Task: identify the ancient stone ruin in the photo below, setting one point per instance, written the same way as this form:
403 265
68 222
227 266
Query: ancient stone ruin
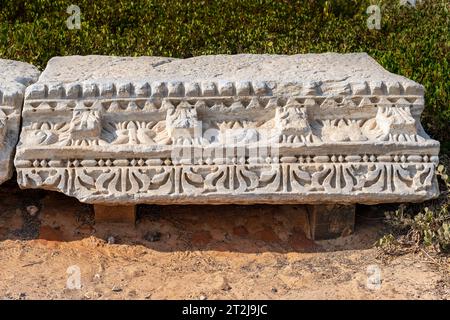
327 130
15 77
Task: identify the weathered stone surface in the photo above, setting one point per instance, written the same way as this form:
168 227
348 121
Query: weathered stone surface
15 77
315 128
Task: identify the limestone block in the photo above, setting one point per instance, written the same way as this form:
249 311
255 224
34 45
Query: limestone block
15 77
315 128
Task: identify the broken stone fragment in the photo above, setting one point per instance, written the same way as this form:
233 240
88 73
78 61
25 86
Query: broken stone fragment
15 77
314 128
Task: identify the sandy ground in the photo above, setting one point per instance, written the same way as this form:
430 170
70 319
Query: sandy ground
197 252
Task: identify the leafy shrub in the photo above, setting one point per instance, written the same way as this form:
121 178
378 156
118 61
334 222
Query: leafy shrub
412 41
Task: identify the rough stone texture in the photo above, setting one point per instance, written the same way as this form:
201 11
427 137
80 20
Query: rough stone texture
315 128
15 76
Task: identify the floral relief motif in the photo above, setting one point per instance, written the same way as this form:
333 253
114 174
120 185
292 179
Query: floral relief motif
150 181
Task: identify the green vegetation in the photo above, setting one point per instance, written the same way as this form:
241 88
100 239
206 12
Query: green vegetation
427 224
413 42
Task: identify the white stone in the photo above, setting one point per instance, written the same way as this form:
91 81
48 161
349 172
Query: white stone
314 128
15 76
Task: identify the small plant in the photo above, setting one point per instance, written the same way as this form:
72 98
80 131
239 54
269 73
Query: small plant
429 226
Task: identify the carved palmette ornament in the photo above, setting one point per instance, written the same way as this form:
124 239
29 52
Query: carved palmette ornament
199 131
312 180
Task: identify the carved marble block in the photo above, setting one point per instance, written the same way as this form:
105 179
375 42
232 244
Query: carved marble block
314 129
15 76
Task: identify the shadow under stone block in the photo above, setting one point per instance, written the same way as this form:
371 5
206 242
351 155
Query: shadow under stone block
117 214
330 221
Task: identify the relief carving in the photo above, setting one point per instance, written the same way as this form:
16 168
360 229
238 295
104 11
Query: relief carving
181 122
227 129
292 123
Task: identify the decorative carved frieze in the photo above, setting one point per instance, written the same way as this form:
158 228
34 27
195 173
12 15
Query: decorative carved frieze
226 129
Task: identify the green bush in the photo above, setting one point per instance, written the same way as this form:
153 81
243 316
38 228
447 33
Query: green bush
412 41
